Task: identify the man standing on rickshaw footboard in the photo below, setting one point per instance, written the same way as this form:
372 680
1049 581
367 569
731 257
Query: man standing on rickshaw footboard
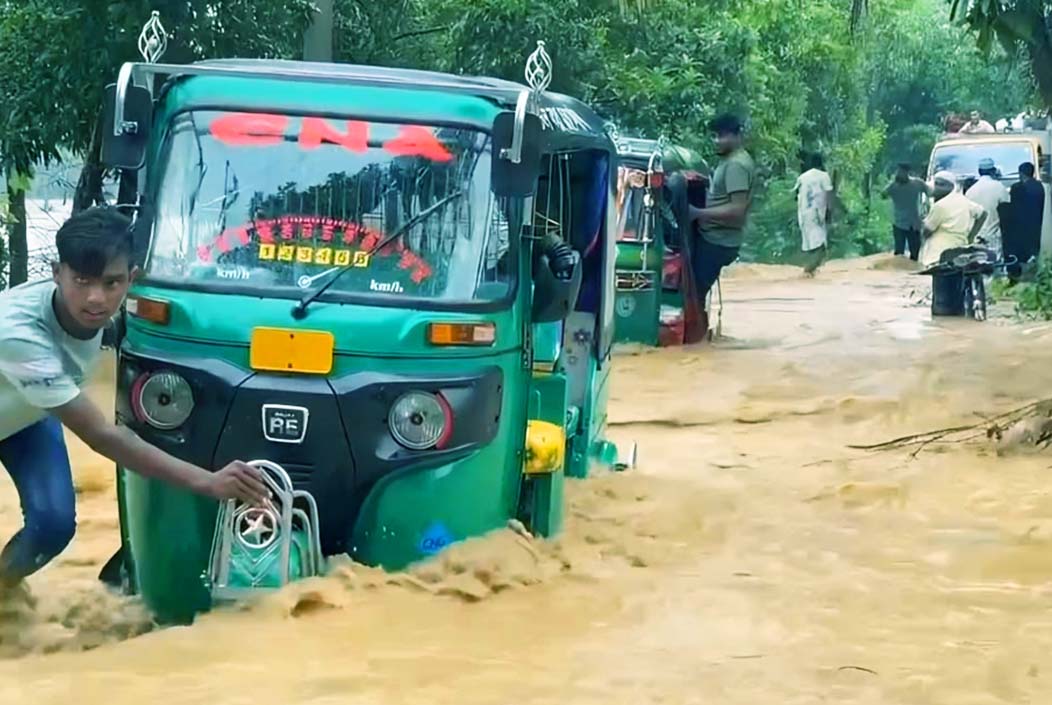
722 221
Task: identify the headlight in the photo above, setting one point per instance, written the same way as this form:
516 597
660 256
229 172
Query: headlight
419 421
164 400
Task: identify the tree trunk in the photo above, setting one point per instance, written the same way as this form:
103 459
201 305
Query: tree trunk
1040 52
89 186
17 242
317 40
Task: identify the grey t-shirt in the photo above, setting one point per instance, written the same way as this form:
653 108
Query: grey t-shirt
42 366
736 173
905 199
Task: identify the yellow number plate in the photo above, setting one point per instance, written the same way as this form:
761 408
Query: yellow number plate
283 350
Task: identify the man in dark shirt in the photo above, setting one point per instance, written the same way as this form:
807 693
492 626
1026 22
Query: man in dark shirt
1023 236
905 192
722 221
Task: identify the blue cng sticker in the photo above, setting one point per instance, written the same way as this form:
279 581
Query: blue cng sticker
435 538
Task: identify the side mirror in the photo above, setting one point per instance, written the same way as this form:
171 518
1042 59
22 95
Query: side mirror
127 150
553 298
509 178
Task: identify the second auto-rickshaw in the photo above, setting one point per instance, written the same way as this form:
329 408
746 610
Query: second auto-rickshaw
656 299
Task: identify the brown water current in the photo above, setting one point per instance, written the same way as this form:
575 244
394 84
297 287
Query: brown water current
752 558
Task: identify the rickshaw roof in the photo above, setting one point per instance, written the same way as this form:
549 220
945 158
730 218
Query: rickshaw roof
636 152
638 147
377 92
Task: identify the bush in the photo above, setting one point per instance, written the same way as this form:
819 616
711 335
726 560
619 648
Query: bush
773 235
1033 299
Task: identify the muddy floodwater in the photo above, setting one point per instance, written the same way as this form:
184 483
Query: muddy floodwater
753 558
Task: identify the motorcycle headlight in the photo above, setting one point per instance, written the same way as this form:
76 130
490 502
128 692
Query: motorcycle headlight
419 420
164 400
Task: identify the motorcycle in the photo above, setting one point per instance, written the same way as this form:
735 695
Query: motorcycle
958 284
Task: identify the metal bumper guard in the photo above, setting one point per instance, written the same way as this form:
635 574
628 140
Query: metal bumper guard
264 548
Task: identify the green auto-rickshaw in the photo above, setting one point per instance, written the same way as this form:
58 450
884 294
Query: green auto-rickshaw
350 280
656 302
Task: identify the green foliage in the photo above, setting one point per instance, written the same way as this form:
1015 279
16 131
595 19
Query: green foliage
911 144
1033 298
866 89
877 98
57 57
775 222
862 229
854 230
1023 26
923 67
793 68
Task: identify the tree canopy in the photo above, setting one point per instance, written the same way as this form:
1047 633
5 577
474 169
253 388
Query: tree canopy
865 88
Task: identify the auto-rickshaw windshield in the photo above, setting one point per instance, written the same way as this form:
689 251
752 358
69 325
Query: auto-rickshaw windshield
963 159
631 192
266 203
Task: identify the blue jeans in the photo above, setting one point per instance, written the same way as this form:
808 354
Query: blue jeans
37 461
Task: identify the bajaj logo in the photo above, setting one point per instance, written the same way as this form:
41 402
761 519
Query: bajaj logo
284 424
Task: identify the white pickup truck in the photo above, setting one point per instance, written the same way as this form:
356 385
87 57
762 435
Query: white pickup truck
961 153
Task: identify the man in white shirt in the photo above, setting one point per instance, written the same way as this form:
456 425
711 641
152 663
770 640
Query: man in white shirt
989 193
953 221
976 125
50 337
813 190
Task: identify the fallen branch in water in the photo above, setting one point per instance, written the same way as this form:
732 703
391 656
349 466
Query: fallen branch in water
913 439
992 427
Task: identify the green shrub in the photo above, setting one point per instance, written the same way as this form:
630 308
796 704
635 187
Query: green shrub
1033 298
773 235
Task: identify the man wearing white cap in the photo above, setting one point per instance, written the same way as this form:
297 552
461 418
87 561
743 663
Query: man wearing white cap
954 221
989 193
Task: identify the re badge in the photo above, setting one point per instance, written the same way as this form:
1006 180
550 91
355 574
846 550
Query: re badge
285 424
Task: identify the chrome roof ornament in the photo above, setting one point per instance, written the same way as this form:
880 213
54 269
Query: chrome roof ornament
538 77
153 40
539 69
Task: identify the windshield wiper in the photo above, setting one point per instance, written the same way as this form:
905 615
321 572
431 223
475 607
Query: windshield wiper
299 311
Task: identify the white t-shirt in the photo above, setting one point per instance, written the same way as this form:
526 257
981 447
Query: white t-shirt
812 201
42 367
989 193
950 220
980 127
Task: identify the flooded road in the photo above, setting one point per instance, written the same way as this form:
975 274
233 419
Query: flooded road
753 557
